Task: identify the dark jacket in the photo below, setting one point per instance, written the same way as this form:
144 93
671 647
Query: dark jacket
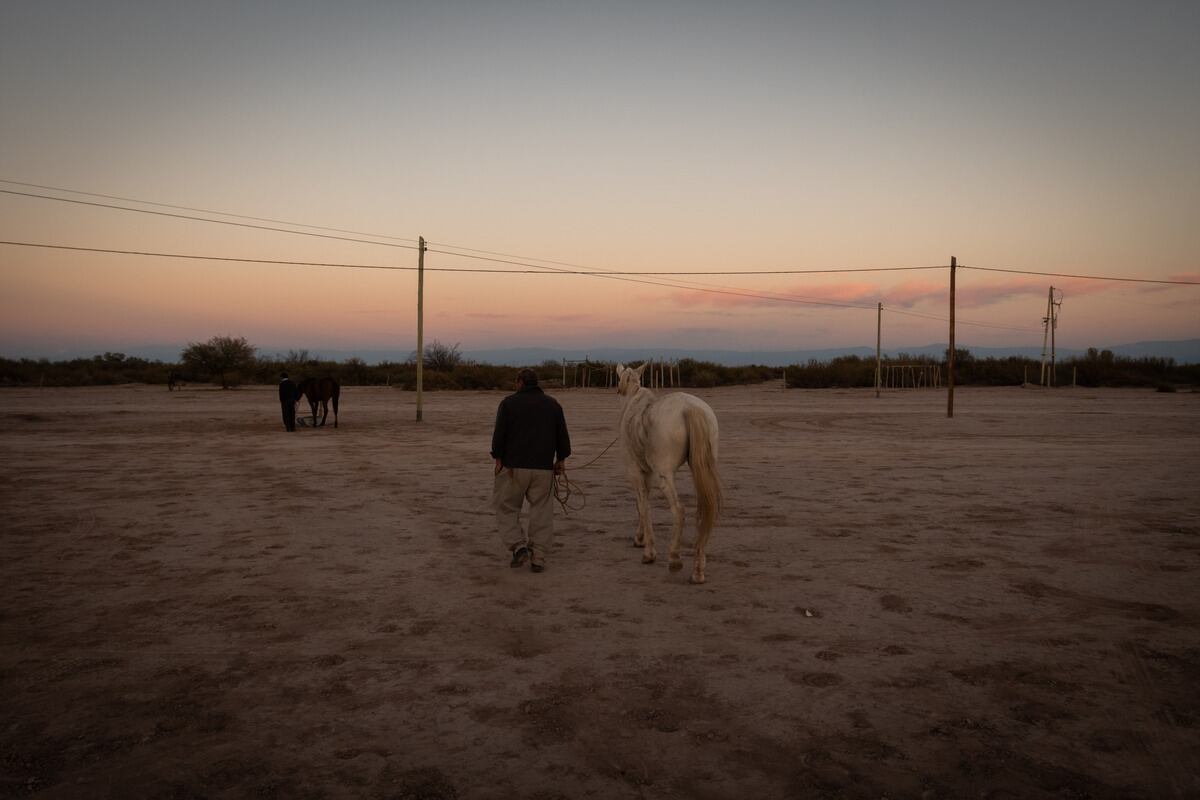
287 391
531 431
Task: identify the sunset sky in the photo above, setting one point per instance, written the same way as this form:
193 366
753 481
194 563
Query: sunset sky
630 136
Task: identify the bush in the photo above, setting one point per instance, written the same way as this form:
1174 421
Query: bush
1097 368
226 359
432 380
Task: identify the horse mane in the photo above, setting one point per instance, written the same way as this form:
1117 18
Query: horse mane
638 410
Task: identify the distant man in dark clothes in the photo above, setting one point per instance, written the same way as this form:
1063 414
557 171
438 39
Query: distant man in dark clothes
287 402
529 445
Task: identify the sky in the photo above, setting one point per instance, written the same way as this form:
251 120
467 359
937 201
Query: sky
546 138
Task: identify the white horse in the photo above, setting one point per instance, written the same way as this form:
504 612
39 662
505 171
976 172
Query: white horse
658 434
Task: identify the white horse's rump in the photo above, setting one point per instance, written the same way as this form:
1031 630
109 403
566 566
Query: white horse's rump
659 434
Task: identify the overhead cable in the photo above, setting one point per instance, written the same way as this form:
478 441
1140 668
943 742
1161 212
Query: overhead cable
205 219
203 210
629 277
960 321
505 258
1080 277
493 256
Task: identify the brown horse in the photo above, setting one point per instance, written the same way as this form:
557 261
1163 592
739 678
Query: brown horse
320 390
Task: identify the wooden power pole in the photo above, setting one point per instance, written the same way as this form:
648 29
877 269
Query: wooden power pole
878 339
420 324
950 354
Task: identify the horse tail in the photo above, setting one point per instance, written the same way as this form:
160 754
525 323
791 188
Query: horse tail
336 392
702 457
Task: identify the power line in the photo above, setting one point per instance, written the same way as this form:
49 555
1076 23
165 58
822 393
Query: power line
778 296
1080 277
203 210
628 277
959 321
228 258
497 257
688 285
474 253
599 273
631 277
668 273
204 219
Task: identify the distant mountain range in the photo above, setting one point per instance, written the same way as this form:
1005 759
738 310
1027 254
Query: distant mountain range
1186 351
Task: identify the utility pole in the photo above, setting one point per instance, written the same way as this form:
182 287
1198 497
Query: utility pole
420 324
1054 306
878 339
950 354
1049 326
1046 333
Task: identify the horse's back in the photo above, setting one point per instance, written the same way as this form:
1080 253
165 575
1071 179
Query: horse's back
673 406
319 389
669 427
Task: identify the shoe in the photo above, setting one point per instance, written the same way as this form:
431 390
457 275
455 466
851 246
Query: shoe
536 567
519 557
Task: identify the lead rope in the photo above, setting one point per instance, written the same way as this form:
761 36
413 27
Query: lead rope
564 487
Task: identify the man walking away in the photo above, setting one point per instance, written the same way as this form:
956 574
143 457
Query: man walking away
529 445
287 402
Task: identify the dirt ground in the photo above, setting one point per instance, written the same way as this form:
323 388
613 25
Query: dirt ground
1006 604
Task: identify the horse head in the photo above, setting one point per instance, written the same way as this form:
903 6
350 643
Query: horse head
629 379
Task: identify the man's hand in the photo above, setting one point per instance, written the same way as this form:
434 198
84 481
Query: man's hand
499 466
559 467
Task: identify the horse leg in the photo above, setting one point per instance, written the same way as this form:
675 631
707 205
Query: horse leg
324 411
698 565
634 476
335 404
703 531
645 535
666 483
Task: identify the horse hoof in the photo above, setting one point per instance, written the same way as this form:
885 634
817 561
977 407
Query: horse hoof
676 566
647 559
696 579
637 543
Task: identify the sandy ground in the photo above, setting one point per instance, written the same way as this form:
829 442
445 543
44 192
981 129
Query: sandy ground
198 604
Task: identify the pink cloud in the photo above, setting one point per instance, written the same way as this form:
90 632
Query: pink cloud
849 293
1174 295
970 293
910 293
970 296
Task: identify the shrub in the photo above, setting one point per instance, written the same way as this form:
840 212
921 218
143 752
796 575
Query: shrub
223 358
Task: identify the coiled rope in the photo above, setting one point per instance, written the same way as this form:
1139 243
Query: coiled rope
564 487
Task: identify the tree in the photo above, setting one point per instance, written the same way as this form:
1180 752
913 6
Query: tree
355 370
297 357
440 357
220 358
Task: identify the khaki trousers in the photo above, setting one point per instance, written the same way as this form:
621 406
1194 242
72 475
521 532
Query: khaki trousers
511 489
